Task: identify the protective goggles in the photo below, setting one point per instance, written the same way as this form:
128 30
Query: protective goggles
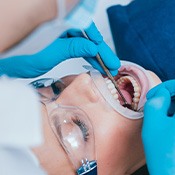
69 124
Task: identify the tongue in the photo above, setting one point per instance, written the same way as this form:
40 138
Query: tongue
126 95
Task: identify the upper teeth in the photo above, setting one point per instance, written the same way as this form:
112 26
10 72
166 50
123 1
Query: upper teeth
122 81
112 89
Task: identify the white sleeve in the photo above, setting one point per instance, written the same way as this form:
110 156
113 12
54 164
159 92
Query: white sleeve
20 119
20 128
15 161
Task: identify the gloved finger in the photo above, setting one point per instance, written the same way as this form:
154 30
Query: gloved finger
155 109
159 102
93 34
169 85
155 113
109 58
71 33
62 49
79 47
111 61
93 61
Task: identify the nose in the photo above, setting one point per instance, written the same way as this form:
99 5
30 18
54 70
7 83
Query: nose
80 91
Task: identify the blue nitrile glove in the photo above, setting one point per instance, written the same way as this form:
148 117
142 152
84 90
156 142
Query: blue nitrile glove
158 131
28 66
110 60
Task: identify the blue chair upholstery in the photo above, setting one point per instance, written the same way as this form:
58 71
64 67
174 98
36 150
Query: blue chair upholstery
144 33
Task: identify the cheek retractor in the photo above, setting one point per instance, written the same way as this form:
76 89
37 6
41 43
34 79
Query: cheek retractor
110 95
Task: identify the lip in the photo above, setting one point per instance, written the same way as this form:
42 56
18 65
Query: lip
139 74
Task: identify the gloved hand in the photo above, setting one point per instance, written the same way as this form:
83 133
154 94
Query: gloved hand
158 131
110 60
28 66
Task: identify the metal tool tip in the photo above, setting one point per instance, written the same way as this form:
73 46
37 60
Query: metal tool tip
127 106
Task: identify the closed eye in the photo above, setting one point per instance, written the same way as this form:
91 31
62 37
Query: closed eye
83 127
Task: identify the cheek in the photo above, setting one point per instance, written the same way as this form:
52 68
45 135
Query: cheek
50 154
109 152
117 144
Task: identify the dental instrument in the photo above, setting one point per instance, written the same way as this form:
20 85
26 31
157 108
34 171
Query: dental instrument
113 81
126 104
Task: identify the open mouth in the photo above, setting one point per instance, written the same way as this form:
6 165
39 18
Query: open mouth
133 83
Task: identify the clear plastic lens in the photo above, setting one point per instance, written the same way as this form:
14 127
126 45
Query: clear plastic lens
70 124
75 132
48 88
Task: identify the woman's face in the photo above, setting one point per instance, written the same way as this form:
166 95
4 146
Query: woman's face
117 139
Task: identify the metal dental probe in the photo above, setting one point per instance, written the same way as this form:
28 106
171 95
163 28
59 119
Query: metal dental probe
109 75
113 81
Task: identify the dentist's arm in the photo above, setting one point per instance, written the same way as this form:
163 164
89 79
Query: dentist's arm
20 17
66 47
29 66
158 132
